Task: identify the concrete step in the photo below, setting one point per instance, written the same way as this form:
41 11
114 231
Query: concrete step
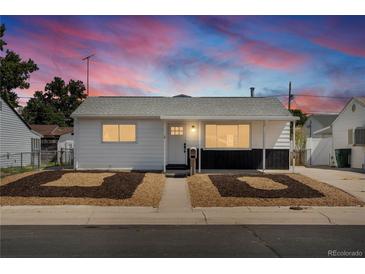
176 173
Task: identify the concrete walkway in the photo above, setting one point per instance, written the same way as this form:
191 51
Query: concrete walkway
175 197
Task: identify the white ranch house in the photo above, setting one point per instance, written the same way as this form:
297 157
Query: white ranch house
155 133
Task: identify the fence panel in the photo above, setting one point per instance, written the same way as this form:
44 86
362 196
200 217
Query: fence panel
21 159
38 159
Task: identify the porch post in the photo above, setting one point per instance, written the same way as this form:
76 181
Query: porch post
293 166
200 146
263 145
164 146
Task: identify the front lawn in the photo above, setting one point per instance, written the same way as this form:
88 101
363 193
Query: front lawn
14 170
102 188
222 190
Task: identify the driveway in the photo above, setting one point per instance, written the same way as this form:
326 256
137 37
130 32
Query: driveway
350 181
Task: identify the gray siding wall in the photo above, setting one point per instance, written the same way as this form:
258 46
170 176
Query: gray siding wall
15 137
145 154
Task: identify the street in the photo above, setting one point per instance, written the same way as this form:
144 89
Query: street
181 241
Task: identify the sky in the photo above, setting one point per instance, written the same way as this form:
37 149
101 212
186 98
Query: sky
199 55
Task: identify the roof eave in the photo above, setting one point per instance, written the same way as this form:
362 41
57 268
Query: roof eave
206 118
322 131
36 133
243 118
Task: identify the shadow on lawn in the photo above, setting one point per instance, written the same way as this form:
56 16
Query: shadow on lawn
121 185
230 186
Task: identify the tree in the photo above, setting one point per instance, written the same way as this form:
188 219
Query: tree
300 138
56 103
2 42
14 72
39 111
302 116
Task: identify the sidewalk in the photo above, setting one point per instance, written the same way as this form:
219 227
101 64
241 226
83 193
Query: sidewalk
96 215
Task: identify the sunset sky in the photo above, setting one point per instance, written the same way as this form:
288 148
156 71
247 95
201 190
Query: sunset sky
199 55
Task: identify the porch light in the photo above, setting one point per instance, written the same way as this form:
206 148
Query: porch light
193 129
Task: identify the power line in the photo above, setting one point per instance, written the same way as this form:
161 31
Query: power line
323 96
308 95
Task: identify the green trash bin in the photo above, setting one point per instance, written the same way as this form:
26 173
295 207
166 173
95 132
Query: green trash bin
343 157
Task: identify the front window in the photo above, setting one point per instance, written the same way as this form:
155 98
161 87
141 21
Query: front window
119 133
227 136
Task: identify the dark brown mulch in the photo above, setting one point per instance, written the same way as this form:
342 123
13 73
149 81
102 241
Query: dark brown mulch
121 185
230 186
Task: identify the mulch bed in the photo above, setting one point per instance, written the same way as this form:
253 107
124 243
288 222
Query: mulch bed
231 190
231 186
120 185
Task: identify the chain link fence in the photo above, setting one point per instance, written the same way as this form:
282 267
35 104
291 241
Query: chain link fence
37 159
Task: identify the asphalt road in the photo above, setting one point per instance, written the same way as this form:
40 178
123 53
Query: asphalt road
180 241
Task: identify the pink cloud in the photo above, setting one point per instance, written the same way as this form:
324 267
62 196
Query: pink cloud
146 38
108 74
310 104
264 55
70 28
349 47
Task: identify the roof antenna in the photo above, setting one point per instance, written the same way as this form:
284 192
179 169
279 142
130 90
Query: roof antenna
87 58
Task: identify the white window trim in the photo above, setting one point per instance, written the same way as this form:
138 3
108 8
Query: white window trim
226 123
118 123
350 143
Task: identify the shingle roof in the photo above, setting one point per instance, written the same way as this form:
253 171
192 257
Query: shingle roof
181 106
51 130
325 119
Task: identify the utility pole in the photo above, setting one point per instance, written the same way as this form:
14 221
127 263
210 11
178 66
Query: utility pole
290 96
87 58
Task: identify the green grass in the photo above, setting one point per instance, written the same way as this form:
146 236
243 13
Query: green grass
14 170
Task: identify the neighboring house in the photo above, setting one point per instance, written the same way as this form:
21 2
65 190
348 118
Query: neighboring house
65 147
348 135
16 137
51 134
155 133
318 147
66 141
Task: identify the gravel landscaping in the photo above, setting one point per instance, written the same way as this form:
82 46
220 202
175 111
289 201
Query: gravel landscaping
82 188
237 186
265 190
